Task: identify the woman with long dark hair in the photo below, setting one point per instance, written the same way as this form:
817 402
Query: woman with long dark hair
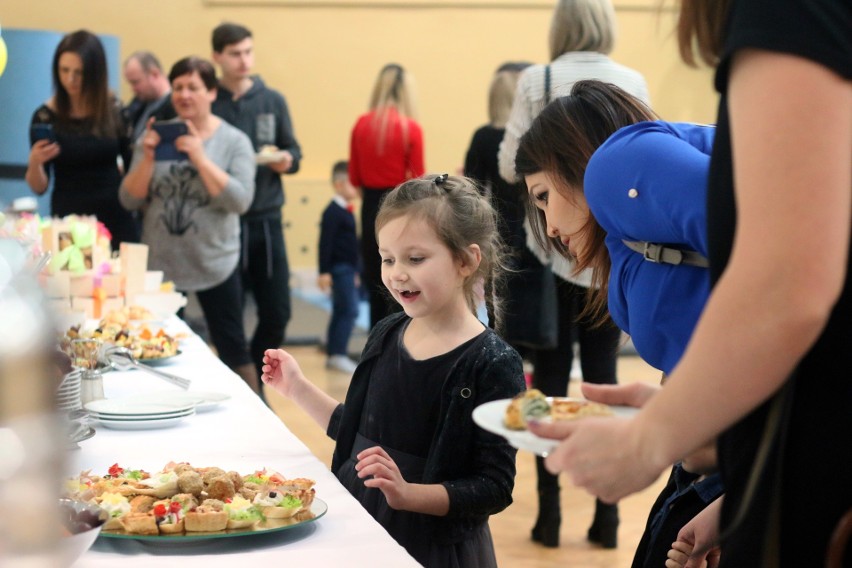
88 138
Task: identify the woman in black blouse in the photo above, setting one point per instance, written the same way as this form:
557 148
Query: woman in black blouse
87 139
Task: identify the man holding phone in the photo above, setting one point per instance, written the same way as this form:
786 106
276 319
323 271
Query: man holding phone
246 102
151 90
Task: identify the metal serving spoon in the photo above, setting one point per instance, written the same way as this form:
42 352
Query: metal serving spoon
121 359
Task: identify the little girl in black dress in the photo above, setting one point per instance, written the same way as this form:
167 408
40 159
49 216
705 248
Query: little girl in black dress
407 447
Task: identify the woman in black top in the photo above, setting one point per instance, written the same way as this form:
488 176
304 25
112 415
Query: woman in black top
88 138
769 365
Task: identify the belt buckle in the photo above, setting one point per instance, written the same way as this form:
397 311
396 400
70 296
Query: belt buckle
652 252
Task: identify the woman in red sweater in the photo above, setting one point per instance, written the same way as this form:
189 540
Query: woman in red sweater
386 149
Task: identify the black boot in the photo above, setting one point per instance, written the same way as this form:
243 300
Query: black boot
546 529
604 529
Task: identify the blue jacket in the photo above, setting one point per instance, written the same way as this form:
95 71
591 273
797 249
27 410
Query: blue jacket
477 468
666 164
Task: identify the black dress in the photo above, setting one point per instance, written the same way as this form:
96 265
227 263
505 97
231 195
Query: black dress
86 175
401 414
808 471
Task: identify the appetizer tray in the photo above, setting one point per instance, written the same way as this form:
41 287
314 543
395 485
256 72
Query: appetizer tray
318 509
153 362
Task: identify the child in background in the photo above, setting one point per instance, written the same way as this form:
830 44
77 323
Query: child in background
338 266
407 447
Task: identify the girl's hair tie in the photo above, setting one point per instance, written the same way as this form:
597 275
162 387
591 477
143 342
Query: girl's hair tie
439 180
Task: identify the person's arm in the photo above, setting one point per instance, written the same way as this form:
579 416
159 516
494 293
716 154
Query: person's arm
134 186
520 119
416 165
354 160
42 151
231 184
286 141
785 274
281 372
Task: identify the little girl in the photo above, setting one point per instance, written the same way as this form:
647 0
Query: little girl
407 447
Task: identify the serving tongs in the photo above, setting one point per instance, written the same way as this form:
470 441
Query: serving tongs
121 359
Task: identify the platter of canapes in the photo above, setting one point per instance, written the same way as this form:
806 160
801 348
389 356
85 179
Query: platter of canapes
182 502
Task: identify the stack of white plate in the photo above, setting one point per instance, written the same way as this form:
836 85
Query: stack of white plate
134 414
68 393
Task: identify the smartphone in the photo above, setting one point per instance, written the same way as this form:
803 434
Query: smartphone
169 132
42 131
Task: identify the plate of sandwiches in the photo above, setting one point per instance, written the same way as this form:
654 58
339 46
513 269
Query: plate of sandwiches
185 503
508 417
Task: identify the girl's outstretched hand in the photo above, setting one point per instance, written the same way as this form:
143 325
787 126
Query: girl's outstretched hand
280 371
602 455
381 472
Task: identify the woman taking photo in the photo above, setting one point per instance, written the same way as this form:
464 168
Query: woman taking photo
193 205
85 137
386 149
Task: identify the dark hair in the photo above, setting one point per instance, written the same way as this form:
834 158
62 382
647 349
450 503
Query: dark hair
699 30
94 91
193 64
460 216
227 34
340 168
147 60
560 142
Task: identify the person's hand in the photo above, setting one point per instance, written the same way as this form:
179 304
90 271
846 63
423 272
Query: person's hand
605 456
324 281
280 371
632 394
382 473
43 151
282 165
149 141
191 144
700 535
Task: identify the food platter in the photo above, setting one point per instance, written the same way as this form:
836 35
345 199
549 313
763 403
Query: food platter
318 509
158 360
490 415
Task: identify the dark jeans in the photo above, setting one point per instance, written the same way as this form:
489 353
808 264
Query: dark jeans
222 307
381 303
344 309
266 274
598 346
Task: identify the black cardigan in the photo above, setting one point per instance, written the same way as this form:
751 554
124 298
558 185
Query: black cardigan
477 468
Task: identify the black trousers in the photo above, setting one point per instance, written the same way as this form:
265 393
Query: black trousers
266 274
381 303
223 311
598 346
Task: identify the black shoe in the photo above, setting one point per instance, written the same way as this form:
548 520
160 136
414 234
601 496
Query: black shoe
604 529
546 530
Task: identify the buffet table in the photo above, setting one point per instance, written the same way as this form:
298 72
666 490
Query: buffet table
239 434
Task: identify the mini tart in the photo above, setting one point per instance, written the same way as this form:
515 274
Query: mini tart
172 528
140 523
274 512
205 520
243 524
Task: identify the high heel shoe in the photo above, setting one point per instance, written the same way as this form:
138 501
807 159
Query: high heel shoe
546 528
604 529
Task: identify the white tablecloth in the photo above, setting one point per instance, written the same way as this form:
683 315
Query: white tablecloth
240 434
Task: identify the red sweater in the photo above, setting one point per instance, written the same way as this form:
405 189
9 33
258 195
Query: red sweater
400 159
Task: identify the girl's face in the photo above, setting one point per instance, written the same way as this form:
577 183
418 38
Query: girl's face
566 217
420 271
190 96
70 68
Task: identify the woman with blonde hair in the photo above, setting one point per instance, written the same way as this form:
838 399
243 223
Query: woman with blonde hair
386 149
582 35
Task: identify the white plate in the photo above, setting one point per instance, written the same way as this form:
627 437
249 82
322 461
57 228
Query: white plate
203 400
135 406
140 424
489 416
146 417
269 157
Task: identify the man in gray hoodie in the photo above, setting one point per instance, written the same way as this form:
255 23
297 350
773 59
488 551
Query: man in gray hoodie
246 102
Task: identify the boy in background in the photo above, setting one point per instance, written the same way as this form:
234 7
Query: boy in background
338 268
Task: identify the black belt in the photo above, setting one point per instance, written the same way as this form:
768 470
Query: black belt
667 255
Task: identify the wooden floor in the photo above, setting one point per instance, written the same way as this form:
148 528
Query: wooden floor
511 528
